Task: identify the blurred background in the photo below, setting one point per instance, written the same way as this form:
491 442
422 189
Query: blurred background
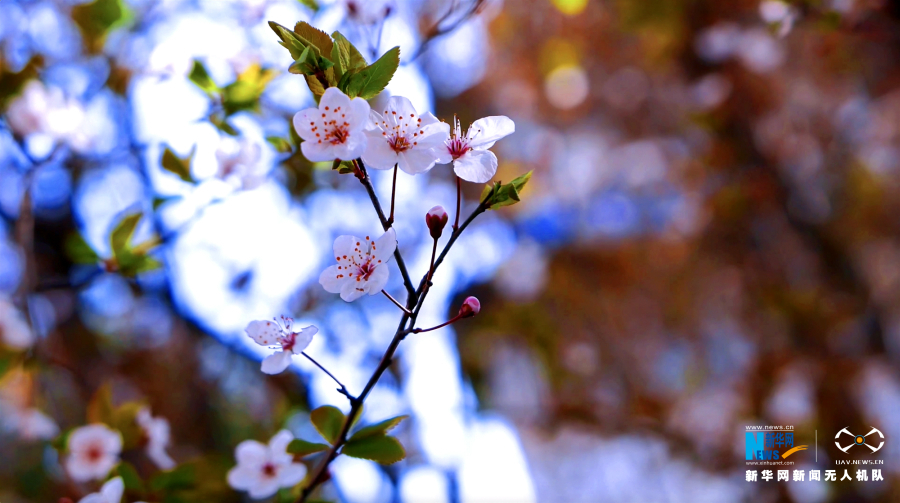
709 241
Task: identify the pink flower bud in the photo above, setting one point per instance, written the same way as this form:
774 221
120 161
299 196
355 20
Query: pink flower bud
436 218
469 308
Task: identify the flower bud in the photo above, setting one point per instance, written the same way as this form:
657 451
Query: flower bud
469 308
436 218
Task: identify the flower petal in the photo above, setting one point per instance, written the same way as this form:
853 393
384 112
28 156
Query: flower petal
251 453
378 154
304 337
265 333
477 166
358 114
265 488
243 477
484 132
383 247
276 363
335 98
377 280
352 290
330 281
304 121
417 160
291 475
279 442
317 152
113 490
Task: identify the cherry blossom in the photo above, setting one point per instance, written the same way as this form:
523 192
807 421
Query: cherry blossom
362 265
156 435
280 335
403 137
93 451
29 423
111 492
46 111
239 164
436 219
334 130
472 161
263 469
14 330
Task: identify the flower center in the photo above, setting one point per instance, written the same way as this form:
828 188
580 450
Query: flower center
399 143
94 453
288 341
269 470
457 146
338 133
365 271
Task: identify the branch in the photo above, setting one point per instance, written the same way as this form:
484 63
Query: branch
343 389
437 31
364 179
414 303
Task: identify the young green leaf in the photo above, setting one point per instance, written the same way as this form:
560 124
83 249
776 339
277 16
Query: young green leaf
345 56
315 37
499 195
381 448
177 165
96 19
328 421
120 237
289 39
201 78
100 408
281 145
79 251
371 80
311 4
378 428
161 200
130 477
182 477
244 93
300 447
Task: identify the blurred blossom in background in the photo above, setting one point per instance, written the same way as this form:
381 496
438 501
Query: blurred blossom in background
710 240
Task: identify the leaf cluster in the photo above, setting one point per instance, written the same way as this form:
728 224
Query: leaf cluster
370 442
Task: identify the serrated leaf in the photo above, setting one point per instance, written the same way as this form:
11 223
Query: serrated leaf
289 39
120 237
345 56
177 165
314 36
378 428
381 448
328 421
300 447
356 58
130 477
200 76
371 80
79 251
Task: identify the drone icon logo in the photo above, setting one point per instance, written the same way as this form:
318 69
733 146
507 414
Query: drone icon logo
859 440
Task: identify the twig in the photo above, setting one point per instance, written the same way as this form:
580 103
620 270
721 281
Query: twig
405 310
437 31
393 195
458 199
343 389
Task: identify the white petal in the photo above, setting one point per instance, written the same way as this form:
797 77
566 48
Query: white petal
358 115
484 132
334 98
160 457
279 442
318 152
477 166
113 490
330 281
345 245
353 147
243 478
352 290
304 337
378 154
264 488
384 246
428 118
276 363
304 121
417 160
434 135
265 333
401 106
250 453
291 475
377 280
93 498
442 152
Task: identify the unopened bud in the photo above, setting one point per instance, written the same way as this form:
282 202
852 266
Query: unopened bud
469 308
436 218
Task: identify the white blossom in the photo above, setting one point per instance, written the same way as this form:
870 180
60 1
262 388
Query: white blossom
263 469
29 423
403 137
472 161
93 451
45 110
157 435
111 492
368 12
280 335
362 265
15 333
239 164
334 130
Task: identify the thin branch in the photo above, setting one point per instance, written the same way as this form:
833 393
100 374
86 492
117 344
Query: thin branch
405 310
343 389
393 195
364 179
437 31
458 199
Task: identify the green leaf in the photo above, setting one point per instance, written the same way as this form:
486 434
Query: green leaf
132 264
381 448
130 477
328 421
378 428
161 200
181 477
79 251
314 36
222 125
345 56
201 78
281 145
302 448
311 4
6 362
100 408
499 195
243 93
371 80
97 18
177 165
120 237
